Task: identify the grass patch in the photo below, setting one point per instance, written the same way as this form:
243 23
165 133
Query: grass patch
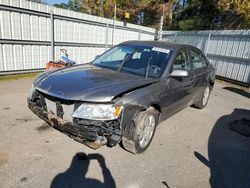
18 76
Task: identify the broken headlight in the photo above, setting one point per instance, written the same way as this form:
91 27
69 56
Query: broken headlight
98 111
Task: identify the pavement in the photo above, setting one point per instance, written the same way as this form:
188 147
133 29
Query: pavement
194 148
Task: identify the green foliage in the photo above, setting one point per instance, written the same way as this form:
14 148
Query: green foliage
105 8
75 5
190 24
235 14
213 14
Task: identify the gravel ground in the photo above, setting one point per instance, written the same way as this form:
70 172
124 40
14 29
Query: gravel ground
194 148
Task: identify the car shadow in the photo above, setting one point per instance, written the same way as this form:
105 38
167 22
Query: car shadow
75 175
238 91
228 152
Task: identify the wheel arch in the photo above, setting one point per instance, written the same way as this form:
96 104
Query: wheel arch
211 83
157 107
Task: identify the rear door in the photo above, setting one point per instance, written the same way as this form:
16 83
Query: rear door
199 68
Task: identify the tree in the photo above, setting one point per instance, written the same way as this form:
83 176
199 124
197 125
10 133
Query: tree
196 15
108 8
213 14
151 9
90 7
234 14
75 5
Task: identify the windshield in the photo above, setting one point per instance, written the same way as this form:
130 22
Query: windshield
137 60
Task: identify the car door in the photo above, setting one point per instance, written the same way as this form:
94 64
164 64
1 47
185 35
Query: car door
179 90
199 68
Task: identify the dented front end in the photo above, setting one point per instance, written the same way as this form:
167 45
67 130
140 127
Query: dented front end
58 113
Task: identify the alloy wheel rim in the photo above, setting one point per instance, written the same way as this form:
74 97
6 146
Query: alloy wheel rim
147 132
206 96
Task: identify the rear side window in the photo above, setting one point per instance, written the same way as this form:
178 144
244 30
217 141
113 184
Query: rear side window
197 60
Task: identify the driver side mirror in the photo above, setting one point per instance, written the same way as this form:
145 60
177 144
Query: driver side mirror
179 73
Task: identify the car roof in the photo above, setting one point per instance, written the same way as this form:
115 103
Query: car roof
160 44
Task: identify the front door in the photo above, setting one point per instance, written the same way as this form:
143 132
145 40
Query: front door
179 90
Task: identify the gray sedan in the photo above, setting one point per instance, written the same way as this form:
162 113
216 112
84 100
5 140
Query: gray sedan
123 94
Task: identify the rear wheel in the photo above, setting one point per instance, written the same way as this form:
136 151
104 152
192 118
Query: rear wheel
136 138
202 102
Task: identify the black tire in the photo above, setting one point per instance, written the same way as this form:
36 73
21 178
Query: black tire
131 139
202 102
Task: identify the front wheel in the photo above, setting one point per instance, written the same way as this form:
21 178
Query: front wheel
136 138
202 102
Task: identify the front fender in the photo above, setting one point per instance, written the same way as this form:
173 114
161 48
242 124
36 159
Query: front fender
137 101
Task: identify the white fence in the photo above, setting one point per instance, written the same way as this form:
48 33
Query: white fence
227 50
31 34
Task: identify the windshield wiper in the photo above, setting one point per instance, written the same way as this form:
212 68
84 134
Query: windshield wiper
126 59
148 65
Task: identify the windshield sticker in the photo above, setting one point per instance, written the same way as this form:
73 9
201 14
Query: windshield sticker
163 50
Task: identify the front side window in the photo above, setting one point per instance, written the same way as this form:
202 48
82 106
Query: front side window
181 61
197 60
138 60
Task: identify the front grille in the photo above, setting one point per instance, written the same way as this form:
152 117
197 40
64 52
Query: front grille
104 128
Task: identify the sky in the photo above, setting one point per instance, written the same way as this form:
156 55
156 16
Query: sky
51 2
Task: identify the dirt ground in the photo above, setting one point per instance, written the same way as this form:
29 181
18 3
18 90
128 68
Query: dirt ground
194 148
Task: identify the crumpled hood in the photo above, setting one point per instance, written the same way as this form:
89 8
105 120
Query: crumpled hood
88 83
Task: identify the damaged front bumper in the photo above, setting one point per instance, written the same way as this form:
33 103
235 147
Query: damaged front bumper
93 133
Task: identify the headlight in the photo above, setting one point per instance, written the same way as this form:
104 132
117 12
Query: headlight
98 111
